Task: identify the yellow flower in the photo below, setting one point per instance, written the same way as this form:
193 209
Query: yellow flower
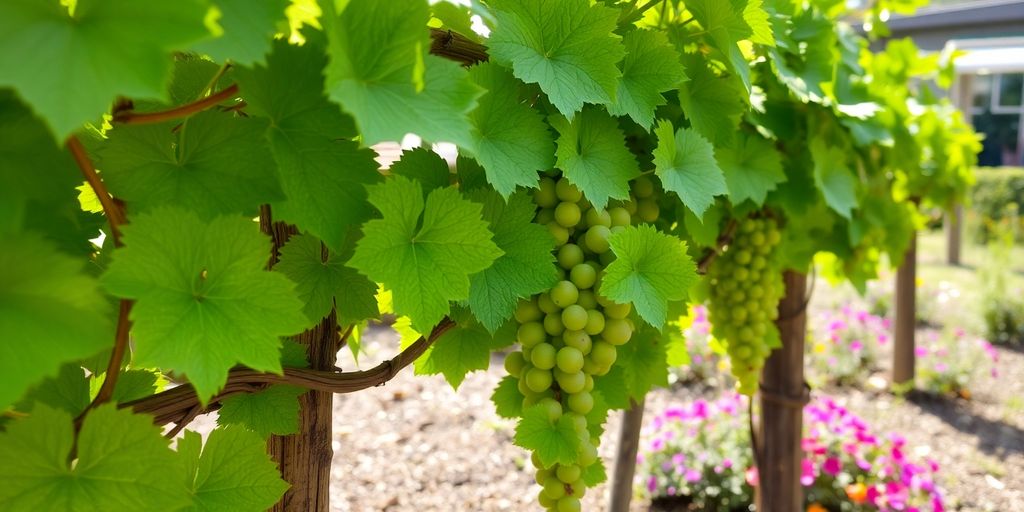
819 348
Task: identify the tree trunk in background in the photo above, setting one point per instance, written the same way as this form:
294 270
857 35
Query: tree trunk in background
625 457
954 230
783 395
903 330
305 458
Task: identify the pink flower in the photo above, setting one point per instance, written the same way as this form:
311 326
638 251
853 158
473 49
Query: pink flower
807 473
832 466
692 475
856 345
652 483
751 476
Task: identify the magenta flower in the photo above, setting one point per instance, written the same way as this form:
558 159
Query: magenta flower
692 475
832 466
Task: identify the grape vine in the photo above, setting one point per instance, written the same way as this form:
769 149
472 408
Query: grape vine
601 148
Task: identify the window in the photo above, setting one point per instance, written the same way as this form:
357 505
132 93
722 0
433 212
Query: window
997 110
1010 89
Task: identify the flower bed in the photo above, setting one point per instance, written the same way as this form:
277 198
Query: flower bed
700 454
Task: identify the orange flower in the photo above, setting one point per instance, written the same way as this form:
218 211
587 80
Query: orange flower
816 507
857 493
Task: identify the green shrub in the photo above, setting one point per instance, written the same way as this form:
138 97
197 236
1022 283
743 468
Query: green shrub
996 189
1002 308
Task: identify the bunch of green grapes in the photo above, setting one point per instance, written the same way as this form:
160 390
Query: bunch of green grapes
745 291
569 334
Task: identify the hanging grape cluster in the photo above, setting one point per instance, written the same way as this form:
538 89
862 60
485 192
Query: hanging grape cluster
569 334
745 291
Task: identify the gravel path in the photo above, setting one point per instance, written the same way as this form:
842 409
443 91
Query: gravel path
417 445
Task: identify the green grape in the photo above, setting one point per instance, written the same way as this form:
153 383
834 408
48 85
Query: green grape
587 299
595 322
598 217
568 473
564 294
646 209
545 195
574 317
617 331
588 454
569 359
554 488
744 296
603 353
581 402
571 382
578 340
545 501
545 216
559 233
567 191
588 384
583 275
606 258
530 334
567 214
579 421
514 363
620 217
568 504
630 206
545 305
569 256
619 311
543 356
597 239
553 324
643 187
527 311
541 469
538 380
552 407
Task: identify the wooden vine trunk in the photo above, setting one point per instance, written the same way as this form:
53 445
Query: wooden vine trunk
305 458
954 231
625 457
783 395
906 318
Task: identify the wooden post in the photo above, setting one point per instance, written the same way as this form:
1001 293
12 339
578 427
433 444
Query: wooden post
783 395
905 321
625 457
305 458
954 230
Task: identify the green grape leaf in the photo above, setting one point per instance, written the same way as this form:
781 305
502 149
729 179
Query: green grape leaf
612 386
459 351
471 175
568 47
752 169
713 104
68 391
190 78
324 284
123 463
71 68
245 30
234 473
594 474
130 385
650 269
650 68
510 139
526 268
203 299
26 147
50 313
757 18
835 180
274 410
424 166
508 401
379 73
644 362
598 415
423 251
293 354
552 441
686 164
592 155
323 176
216 163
